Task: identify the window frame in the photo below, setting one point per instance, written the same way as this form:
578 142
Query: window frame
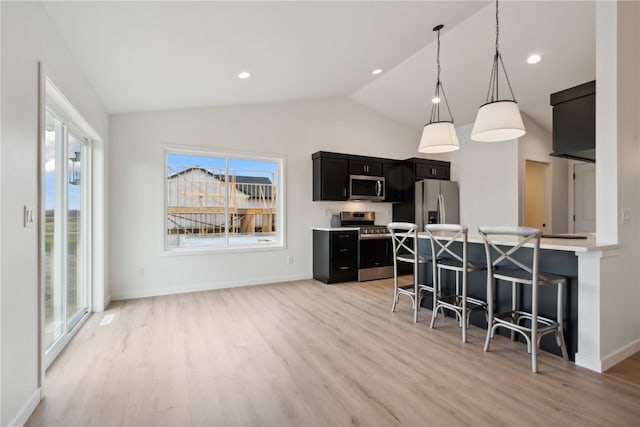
280 192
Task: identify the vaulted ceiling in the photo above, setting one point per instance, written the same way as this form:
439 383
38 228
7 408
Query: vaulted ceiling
143 56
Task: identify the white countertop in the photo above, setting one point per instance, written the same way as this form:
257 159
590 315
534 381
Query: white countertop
558 244
336 228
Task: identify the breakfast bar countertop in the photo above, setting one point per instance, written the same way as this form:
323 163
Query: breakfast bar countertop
568 244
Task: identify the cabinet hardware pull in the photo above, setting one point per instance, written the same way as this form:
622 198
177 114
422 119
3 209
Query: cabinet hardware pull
344 268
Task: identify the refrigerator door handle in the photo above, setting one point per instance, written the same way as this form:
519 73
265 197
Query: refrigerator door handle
443 220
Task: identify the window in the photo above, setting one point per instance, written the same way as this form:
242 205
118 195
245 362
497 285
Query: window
223 201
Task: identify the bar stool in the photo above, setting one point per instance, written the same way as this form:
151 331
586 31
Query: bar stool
404 236
503 266
445 258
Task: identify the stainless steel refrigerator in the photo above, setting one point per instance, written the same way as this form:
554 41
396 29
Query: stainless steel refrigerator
436 202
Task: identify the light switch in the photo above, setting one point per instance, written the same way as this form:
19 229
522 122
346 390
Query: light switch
28 216
625 216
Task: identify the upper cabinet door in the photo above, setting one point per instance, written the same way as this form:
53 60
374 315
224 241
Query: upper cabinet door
431 171
330 178
365 167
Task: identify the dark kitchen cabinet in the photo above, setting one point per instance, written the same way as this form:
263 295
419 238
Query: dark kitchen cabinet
417 169
396 180
335 256
330 176
363 166
431 169
574 122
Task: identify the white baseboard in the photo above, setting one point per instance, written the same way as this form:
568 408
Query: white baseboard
208 286
612 359
609 361
27 409
107 301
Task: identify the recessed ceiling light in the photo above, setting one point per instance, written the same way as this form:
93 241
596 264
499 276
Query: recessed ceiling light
244 75
534 58
376 71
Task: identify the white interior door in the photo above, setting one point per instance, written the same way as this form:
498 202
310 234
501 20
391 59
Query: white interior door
584 198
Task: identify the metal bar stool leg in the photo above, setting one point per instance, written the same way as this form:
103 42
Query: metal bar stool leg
560 320
514 298
395 288
436 295
489 311
534 328
463 317
416 293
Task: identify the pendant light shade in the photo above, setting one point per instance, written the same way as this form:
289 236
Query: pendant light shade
439 136
498 119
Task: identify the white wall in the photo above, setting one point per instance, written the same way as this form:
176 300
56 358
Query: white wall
618 167
293 129
613 290
28 36
487 174
0 215
536 145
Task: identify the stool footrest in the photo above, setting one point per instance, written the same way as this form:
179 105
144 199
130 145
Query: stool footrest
454 302
506 319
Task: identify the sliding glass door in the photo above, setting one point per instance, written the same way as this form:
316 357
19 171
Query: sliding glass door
65 246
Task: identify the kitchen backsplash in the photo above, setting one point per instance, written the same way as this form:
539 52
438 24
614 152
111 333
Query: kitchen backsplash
383 211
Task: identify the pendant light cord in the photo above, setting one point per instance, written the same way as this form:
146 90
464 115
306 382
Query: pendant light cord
438 60
439 92
493 91
497 29
436 117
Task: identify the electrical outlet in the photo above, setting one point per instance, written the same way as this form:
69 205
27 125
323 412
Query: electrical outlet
289 259
141 272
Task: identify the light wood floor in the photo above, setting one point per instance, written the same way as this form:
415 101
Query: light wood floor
305 354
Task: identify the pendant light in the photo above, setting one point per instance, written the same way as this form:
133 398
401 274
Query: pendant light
439 136
498 119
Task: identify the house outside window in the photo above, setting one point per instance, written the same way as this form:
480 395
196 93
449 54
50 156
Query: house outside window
220 202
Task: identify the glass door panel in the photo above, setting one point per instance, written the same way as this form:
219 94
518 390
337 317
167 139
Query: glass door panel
65 278
53 307
76 298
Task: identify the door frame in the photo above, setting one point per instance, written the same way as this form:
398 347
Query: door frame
93 244
548 201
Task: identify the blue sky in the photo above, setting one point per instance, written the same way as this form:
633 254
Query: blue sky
242 166
53 140
50 186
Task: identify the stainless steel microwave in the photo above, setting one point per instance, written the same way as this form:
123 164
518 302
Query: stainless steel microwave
363 187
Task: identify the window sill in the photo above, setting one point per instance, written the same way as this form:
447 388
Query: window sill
208 250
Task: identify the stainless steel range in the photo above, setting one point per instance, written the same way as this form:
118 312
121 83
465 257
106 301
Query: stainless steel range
375 250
